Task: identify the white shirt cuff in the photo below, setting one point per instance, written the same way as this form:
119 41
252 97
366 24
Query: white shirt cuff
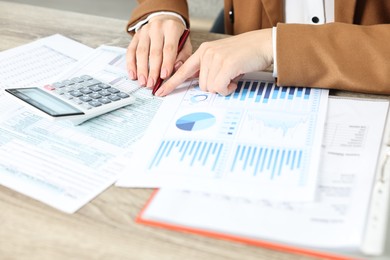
275 73
138 25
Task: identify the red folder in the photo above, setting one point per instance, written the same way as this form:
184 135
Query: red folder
245 240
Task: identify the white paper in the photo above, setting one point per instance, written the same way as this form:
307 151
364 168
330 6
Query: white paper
39 62
337 220
62 165
260 142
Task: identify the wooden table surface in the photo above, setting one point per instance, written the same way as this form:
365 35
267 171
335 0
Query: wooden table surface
105 227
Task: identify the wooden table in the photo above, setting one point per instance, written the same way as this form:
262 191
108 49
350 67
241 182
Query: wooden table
105 227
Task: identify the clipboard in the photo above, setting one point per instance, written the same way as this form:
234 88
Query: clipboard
377 233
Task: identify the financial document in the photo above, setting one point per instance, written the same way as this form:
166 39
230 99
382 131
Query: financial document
38 62
337 220
262 141
62 165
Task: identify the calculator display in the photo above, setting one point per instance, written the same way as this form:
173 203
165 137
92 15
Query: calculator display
45 102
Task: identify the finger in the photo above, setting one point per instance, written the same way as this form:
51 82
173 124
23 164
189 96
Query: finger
206 58
131 59
183 55
230 89
222 77
155 59
203 74
142 58
232 86
169 55
217 77
188 69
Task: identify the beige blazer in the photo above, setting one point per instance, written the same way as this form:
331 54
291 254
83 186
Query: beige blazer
351 54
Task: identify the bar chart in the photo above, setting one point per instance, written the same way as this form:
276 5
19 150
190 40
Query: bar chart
268 94
208 157
261 137
188 154
272 162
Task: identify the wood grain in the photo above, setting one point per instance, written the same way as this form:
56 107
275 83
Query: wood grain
105 227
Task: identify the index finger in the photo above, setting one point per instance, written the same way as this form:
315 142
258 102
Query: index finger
188 69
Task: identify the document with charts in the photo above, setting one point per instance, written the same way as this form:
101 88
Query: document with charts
55 162
348 218
262 141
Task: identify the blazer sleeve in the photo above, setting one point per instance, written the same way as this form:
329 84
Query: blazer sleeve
336 56
146 7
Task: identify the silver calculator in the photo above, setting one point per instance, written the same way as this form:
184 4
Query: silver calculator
77 99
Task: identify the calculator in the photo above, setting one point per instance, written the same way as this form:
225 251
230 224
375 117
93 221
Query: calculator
77 99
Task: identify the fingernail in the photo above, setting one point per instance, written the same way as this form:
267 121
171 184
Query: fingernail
142 80
150 83
178 65
131 74
164 73
159 92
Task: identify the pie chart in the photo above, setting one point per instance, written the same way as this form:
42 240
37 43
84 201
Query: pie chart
195 121
199 98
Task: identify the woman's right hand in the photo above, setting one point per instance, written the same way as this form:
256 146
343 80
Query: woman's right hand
152 53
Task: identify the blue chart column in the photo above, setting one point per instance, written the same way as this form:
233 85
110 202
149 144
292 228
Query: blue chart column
187 154
263 161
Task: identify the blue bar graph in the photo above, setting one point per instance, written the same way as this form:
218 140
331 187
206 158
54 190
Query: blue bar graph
271 161
188 153
260 92
275 95
265 92
307 93
236 94
284 91
299 92
253 89
245 91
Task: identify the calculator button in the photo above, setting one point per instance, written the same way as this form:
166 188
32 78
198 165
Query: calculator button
114 98
113 90
49 87
76 93
58 85
95 95
85 90
95 88
77 86
123 95
104 86
85 98
104 92
86 77
67 82
77 101
77 80
68 96
59 91
69 88
104 100
86 106
95 103
90 83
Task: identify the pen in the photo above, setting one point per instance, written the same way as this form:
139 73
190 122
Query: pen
182 40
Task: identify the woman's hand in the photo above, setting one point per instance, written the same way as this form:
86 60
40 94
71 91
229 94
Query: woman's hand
152 53
220 63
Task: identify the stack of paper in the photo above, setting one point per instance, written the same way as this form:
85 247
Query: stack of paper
270 166
57 163
345 218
